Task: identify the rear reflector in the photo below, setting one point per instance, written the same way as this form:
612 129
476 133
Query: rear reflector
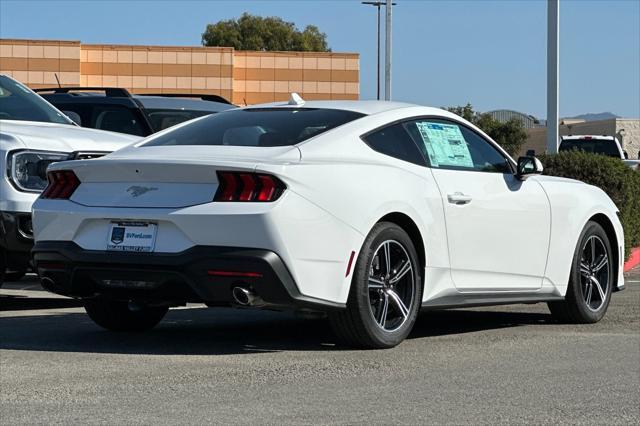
353 253
248 187
62 184
219 273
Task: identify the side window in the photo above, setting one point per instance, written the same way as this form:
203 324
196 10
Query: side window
448 145
394 141
116 118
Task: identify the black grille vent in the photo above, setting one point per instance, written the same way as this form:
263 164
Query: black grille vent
87 155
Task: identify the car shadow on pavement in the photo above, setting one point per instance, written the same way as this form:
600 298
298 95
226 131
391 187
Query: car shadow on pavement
25 303
221 331
459 321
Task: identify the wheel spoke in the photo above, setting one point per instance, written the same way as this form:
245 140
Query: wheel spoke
593 249
387 257
404 311
602 262
384 310
584 269
595 281
401 273
587 297
375 283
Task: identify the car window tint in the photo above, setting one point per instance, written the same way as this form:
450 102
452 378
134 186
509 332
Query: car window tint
597 146
265 127
117 119
114 118
161 119
394 141
448 145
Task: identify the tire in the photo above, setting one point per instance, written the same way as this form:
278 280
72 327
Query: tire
587 300
117 316
3 266
14 275
361 324
8 276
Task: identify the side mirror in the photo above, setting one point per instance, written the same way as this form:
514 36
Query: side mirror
73 116
528 166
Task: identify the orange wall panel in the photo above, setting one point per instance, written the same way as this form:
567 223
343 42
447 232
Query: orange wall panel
240 76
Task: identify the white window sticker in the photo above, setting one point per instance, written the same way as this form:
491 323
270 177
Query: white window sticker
445 145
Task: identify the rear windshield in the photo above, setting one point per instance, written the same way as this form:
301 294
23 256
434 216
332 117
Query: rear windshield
257 127
597 146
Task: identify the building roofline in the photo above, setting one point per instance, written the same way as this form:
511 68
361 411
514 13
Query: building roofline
36 41
174 47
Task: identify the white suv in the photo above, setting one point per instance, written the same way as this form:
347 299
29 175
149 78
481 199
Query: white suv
34 134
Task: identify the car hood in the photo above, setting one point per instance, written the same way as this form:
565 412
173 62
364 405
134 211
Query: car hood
62 137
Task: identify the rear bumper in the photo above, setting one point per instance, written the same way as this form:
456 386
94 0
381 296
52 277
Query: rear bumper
199 274
16 239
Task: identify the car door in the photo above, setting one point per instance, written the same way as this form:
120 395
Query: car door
498 227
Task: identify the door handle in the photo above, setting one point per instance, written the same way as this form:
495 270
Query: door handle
459 198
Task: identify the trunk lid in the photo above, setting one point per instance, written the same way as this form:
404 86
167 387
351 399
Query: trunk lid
165 177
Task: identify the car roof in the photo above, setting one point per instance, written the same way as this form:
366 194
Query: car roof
177 103
113 95
363 107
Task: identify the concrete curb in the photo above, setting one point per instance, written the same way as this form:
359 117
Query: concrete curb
633 261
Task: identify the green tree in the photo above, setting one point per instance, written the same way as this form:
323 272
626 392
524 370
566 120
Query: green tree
250 32
510 135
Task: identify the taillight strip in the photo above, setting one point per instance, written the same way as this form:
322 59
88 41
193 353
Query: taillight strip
62 184
248 187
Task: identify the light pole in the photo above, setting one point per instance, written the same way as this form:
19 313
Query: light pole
553 74
387 53
377 4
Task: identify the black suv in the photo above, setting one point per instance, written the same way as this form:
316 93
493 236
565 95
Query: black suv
117 110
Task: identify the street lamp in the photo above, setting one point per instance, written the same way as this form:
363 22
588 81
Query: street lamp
378 4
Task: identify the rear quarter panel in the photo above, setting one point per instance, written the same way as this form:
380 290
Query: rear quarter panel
345 177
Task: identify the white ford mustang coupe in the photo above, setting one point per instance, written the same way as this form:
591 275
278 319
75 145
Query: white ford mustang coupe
366 211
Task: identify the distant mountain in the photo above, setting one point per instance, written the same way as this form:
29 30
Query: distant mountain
594 116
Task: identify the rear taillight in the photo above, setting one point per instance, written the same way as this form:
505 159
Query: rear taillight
62 184
252 187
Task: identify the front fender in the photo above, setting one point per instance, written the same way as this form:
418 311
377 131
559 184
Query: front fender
573 204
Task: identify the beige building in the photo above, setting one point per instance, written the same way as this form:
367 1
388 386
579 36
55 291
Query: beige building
242 77
627 130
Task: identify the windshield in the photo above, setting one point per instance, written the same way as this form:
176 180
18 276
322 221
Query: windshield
19 103
263 127
597 146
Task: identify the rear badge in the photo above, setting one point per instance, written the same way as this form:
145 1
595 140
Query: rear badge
137 191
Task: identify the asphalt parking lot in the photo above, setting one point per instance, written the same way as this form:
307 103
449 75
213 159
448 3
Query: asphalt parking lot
502 365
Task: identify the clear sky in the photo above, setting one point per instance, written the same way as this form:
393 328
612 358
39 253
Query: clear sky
446 52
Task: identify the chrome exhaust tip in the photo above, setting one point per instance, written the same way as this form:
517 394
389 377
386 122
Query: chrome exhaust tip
242 296
245 297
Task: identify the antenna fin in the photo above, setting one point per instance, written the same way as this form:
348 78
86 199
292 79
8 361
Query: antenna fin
295 99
